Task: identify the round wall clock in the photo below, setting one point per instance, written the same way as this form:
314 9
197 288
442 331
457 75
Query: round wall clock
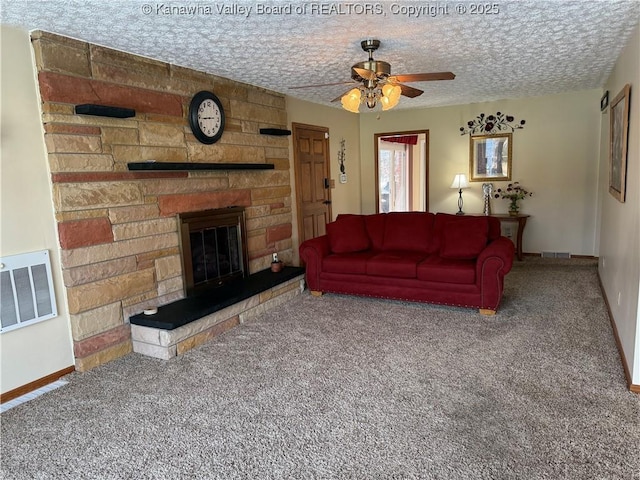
206 117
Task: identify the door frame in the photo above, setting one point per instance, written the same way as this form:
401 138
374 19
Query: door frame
376 138
296 169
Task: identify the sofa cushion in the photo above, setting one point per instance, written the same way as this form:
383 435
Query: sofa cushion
348 234
394 264
355 262
464 238
408 231
438 269
495 228
375 229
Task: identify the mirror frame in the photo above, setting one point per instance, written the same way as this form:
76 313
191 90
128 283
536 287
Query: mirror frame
474 143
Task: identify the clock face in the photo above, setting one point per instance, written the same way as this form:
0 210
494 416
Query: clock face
209 118
206 117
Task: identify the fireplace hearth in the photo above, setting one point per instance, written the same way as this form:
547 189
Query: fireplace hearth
220 292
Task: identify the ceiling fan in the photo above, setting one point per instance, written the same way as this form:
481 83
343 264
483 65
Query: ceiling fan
376 84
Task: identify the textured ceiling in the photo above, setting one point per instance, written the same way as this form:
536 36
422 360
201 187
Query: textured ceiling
513 49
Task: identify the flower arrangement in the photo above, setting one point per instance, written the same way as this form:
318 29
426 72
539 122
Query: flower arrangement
488 123
513 193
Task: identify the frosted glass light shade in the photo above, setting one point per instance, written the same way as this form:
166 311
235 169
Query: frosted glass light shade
392 92
390 96
460 181
351 100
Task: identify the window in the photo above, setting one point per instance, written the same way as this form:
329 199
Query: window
394 179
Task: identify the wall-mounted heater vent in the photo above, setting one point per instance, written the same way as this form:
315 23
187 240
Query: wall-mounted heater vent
26 290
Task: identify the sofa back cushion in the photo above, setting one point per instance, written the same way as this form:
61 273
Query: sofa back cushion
348 234
495 229
463 237
375 229
408 231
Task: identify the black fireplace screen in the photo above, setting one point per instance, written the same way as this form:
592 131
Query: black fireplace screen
215 253
213 247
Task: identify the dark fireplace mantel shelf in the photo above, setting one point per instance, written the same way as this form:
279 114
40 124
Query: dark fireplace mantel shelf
187 166
190 309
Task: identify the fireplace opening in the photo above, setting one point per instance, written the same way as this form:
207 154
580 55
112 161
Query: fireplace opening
213 245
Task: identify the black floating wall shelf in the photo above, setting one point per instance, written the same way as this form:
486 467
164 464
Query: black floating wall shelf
274 131
104 111
183 166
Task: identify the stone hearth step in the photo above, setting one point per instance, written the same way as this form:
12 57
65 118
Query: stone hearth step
186 323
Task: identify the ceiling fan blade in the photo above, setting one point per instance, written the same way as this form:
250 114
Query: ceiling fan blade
364 73
422 77
410 92
322 85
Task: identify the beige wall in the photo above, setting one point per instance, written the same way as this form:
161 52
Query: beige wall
555 156
26 213
619 266
341 124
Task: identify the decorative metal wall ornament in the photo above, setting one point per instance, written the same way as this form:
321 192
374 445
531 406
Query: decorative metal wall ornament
341 154
499 122
341 159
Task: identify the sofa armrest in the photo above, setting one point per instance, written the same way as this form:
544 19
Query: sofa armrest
493 263
312 252
502 248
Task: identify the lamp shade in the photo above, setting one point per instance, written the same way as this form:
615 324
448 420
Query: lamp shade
390 96
460 181
351 100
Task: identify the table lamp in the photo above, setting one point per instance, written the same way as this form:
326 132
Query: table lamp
460 182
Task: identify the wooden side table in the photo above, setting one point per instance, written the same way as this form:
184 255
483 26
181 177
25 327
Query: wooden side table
521 220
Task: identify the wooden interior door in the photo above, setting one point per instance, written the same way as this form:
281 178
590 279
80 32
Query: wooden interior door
313 192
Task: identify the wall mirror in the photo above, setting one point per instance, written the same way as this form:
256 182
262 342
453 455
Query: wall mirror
490 157
402 171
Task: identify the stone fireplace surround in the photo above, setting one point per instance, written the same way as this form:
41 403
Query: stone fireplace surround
118 229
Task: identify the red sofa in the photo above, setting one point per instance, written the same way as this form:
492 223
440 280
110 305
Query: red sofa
416 256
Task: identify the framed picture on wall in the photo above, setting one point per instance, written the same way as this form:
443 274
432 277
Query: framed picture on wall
618 134
490 157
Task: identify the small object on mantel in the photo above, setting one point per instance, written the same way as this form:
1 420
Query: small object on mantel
276 264
150 311
104 111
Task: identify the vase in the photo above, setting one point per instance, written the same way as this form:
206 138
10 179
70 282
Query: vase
276 266
513 208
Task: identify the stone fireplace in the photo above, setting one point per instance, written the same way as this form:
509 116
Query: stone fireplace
118 229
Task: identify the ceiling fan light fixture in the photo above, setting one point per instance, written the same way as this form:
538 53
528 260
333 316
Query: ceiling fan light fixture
377 85
386 103
351 100
372 98
390 96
